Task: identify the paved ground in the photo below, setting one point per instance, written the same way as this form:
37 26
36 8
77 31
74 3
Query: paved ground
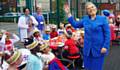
12 27
112 61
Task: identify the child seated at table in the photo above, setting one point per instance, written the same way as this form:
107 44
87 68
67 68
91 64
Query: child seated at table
37 36
72 51
49 59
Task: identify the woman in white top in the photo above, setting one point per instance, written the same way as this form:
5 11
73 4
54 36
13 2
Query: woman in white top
26 24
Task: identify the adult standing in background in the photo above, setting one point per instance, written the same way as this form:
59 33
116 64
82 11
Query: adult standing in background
40 19
96 37
26 24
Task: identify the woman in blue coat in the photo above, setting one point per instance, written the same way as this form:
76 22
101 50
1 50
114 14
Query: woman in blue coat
96 37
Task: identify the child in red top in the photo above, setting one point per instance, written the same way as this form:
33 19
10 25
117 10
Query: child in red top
70 47
53 33
8 41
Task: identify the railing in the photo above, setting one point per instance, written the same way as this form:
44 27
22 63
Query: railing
9 19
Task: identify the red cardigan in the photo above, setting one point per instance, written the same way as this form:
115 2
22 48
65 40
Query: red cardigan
71 47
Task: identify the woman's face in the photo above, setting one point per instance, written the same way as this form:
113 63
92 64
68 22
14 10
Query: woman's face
27 12
39 9
91 10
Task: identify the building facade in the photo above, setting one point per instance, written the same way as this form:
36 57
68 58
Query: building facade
51 6
7 6
78 6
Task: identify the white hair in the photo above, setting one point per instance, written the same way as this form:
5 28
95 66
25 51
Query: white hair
89 3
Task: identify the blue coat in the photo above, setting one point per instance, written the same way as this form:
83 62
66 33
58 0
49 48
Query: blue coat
97 34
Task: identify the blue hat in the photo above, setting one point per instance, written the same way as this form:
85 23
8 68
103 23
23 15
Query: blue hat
106 12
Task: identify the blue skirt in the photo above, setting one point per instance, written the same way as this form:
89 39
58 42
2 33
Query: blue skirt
93 63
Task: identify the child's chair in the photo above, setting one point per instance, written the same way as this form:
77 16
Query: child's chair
70 60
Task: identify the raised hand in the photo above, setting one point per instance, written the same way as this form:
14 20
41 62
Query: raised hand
66 8
30 23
